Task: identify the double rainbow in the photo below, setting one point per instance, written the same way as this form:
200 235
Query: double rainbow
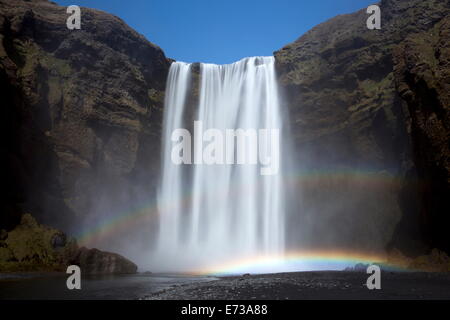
291 261
127 220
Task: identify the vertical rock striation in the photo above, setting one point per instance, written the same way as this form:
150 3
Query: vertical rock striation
422 74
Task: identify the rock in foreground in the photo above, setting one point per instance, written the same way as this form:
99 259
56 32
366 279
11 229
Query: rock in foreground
35 247
94 261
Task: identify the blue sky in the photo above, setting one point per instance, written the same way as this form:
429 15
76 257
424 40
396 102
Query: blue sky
222 31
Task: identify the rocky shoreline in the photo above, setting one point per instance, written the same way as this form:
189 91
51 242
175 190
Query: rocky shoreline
312 285
282 286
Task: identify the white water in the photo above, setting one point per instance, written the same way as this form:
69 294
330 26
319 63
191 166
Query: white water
216 214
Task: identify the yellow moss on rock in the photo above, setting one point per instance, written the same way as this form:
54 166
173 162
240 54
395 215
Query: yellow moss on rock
34 247
31 241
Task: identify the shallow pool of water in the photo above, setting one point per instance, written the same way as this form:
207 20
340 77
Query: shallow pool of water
53 286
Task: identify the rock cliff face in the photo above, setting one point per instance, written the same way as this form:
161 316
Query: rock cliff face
374 105
82 113
422 69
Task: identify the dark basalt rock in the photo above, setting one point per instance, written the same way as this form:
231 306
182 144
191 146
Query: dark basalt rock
58 240
94 261
3 235
372 105
422 75
82 113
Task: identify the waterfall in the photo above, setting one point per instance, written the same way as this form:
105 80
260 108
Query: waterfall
216 213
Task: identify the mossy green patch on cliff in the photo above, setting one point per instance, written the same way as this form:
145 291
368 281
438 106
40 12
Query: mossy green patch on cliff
156 97
33 56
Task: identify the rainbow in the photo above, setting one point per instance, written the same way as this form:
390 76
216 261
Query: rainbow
126 221
296 261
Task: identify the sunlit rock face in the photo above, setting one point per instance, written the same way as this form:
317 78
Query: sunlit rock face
359 144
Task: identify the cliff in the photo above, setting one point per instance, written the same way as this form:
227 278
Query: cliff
373 105
82 115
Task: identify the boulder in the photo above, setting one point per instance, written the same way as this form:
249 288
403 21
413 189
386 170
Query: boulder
94 262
